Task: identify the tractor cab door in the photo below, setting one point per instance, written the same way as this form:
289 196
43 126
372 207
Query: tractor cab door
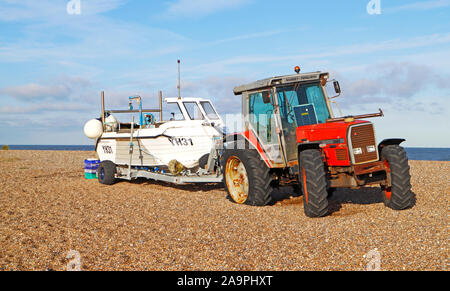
287 100
262 121
299 105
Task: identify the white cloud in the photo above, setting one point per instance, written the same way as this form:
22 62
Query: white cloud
92 7
395 86
36 91
263 34
86 39
431 40
198 8
217 88
44 107
51 10
62 88
249 36
423 5
402 80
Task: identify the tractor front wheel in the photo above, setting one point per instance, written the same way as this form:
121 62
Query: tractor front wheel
246 177
314 183
399 195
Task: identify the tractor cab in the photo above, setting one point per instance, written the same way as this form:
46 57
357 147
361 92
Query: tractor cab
275 107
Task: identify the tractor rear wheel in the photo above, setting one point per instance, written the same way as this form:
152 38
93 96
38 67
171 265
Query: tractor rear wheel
314 183
399 196
246 177
107 173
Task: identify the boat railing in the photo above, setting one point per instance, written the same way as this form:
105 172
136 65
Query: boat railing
140 110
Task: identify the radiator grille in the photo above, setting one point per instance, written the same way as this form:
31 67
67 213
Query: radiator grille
341 155
362 137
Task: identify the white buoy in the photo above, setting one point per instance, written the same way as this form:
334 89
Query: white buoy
111 123
93 129
112 120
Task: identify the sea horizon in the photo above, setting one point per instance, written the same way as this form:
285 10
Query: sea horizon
414 153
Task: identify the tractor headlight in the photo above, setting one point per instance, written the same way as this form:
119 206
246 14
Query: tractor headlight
371 149
357 151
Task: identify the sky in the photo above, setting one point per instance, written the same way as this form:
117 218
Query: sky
55 61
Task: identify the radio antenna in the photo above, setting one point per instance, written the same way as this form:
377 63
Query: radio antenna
179 80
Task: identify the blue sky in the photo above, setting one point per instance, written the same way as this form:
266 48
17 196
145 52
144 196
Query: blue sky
53 64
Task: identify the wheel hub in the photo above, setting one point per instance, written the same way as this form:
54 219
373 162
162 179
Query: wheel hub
237 180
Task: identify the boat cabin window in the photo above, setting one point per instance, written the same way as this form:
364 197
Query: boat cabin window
209 110
193 110
173 112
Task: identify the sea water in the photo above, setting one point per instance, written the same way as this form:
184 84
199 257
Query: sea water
423 154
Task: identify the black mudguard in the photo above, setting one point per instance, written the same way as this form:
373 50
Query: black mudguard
390 141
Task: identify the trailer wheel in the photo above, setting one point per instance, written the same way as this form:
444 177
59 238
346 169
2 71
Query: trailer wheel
314 183
399 196
107 173
246 177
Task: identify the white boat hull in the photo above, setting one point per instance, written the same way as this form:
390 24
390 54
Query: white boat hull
184 141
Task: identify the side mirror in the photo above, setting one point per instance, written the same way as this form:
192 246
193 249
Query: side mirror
337 87
266 97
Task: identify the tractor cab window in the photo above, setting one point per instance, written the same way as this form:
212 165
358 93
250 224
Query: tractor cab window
261 118
306 95
314 95
193 110
306 100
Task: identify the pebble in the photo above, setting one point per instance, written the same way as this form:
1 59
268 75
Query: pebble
48 209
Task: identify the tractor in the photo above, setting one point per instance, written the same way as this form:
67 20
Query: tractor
291 136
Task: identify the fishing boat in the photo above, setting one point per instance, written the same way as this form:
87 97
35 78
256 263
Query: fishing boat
187 137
